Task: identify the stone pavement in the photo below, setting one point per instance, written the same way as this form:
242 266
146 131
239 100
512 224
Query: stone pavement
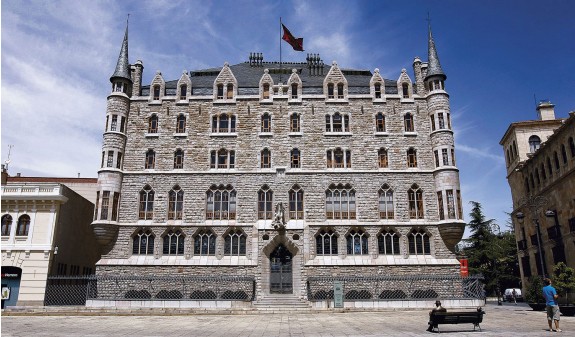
506 320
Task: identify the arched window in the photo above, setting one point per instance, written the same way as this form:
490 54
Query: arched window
220 91
150 160
183 92
338 158
563 153
6 224
543 173
411 157
377 90
330 90
534 143
174 242
181 124
419 242
153 124
326 242
221 203
204 243
556 160
408 122
143 243
175 203
265 203
572 147
337 123
386 209
388 242
223 159
549 167
266 91
223 123
294 123
415 197
266 123
295 158
179 159
146 203
340 202
294 94
266 159
514 149
230 91
235 243
526 185
405 90
296 203
357 242
380 122
382 158
340 90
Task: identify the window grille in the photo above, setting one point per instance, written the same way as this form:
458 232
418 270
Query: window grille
441 120
294 123
156 92
450 204
205 243
380 122
419 242
411 158
445 157
408 122
338 158
405 90
357 242
143 243
295 158
110 160
235 243
382 158
294 93
266 123
114 124
222 159
153 124
115 203
330 90
183 92
388 243
179 159
340 90
266 158
326 242
174 243
181 124
220 89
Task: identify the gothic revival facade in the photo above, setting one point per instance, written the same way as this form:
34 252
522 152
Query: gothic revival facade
282 172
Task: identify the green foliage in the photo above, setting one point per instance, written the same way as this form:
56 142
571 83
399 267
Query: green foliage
492 255
534 293
563 278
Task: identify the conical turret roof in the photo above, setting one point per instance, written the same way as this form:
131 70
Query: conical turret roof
434 67
123 65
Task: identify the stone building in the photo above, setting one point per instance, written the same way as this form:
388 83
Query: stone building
282 172
540 157
45 231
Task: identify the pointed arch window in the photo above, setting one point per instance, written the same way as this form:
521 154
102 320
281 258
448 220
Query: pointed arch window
556 160
534 143
408 122
265 203
382 158
221 203
572 147
23 225
266 123
6 224
143 243
153 124
563 154
235 243
411 157
204 243
294 123
388 242
340 202
181 124
179 159
295 158
174 242
338 158
357 242
223 159
326 242
266 159
175 203
183 92
415 197
377 90
380 122
386 209
419 242
296 203
150 160
146 203
549 167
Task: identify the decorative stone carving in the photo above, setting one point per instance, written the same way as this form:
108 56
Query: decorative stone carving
279 222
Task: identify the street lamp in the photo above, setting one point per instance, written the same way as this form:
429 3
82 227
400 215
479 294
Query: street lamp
535 205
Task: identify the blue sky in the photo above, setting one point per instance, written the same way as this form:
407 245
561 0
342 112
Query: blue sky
57 57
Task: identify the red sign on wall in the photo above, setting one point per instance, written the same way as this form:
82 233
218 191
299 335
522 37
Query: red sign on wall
463 267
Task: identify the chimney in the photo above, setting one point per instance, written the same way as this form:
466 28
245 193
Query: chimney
545 110
4 175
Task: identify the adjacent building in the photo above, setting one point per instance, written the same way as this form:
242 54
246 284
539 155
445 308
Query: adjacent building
279 171
540 157
45 231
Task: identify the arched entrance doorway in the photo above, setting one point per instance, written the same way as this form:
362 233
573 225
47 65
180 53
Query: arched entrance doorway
281 275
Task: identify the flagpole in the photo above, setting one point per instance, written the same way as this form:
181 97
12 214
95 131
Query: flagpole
280 49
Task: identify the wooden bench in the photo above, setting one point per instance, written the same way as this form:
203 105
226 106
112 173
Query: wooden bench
456 317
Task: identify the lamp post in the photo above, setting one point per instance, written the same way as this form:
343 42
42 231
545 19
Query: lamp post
535 205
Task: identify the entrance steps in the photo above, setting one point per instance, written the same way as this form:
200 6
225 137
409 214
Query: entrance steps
281 303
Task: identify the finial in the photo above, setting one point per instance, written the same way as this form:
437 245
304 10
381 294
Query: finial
226 64
376 70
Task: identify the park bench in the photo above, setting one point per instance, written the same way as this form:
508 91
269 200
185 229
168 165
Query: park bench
456 317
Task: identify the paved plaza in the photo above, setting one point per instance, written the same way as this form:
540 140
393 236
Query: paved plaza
506 320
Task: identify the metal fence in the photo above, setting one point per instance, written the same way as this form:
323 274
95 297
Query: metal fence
75 290
405 287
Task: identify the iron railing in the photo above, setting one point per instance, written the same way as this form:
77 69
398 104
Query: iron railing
400 287
75 290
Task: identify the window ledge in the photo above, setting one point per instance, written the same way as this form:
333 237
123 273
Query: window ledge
327 133
265 134
115 133
182 102
224 101
223 134
295 134
152 135
222 169
381 133
379 100
410 134
267 100
407 100
441 130
294 100
180 134
155 102
336 100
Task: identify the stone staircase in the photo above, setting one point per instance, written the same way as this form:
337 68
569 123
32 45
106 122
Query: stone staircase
281 303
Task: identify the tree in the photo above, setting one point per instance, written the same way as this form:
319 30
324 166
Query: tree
492 255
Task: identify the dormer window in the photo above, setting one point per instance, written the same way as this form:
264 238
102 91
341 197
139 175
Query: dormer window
405 90
377 90
220 91
183 90
156 92
294 91
230 91
340 90
330 90
266 93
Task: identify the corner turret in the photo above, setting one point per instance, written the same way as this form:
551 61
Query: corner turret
434 67
122 78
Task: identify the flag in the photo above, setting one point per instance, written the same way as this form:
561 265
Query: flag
296 43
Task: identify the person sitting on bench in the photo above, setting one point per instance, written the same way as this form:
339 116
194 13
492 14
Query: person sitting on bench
438 308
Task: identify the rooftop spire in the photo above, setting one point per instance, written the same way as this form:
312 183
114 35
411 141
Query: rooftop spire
123 65
434 67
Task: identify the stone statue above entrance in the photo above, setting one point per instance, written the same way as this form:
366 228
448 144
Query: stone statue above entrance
279 222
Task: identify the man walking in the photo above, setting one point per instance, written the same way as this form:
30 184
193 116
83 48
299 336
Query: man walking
552 307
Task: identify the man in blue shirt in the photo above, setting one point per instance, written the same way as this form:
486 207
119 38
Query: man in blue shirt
552 307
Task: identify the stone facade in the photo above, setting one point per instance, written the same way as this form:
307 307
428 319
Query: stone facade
540 157
316 109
